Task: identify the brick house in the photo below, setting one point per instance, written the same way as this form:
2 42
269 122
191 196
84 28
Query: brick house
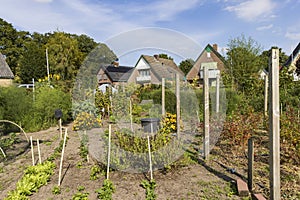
212 58
151 70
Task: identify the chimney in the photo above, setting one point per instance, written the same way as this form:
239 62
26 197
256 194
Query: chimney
215 46
115 63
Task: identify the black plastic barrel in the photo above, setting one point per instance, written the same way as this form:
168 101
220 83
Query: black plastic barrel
147 122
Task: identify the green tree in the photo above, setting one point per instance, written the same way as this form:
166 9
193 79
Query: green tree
265 56
165 56
33 62
64 57
8 47
186 65
244 63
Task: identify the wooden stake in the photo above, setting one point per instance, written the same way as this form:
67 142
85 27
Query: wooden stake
32 153
149 151
274 132
178 104
250 163
62 157
108 152
163 111
2 152
130 110
39 151
60 128
206 112
218 94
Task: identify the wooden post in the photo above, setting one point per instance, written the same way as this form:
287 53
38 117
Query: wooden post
217 94
178 105
60 127
250 163
130 113
108 152
32 153
4 155
266 96
149 151
206 112
274 131
62 157
39 151
163 111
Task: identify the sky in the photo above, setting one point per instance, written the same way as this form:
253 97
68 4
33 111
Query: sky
181 28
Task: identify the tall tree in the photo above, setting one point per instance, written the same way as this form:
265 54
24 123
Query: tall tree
186 65
33 62
265 56
8 37
243 61
64 56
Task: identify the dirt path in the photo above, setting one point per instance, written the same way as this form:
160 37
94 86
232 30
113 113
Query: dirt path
196 181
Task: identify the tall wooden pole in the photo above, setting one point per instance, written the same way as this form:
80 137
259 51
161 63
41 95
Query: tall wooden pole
178 104
32 153
218 94
48 71
250 163
163 111
206 112
274 132
108 151
62 157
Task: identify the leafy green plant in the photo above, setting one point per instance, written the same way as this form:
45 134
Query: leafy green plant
95 172
56 190
150 187
80 194
34 178
106 191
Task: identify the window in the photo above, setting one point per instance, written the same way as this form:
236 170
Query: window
145 72
208 54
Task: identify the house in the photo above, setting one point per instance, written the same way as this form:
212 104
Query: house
151 70
6 75
209 57
113 74
293 63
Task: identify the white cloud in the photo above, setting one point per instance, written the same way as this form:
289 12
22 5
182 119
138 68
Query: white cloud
251 10
262 28
293 35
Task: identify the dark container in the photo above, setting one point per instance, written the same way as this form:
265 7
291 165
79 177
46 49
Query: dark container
146 123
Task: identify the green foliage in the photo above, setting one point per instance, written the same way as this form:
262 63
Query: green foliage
96 171
80 195
56 190
290 136
106 191
34 177
84 146
243 62
32 62
186 65
150 187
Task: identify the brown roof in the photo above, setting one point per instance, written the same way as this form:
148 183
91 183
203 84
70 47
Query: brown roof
162 67
5 71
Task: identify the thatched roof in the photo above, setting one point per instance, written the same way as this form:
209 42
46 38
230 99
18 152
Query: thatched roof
5 71
162 67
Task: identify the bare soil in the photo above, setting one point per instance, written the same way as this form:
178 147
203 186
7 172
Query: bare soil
200 180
